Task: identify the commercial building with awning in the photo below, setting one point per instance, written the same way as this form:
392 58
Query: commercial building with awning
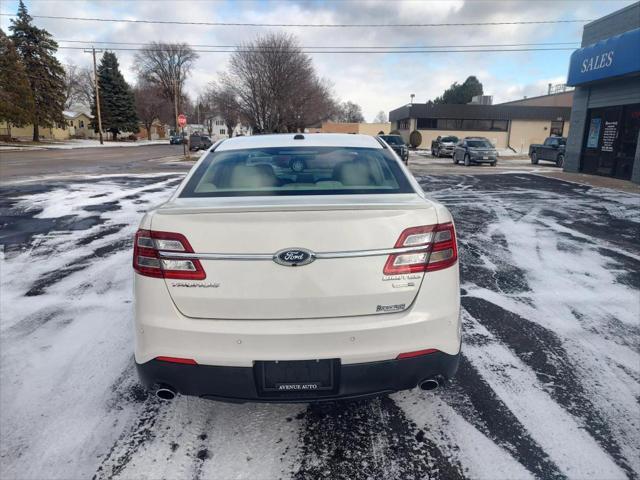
605 116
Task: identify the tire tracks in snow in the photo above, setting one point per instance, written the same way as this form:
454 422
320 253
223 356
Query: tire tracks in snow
472 397
368 439
542 351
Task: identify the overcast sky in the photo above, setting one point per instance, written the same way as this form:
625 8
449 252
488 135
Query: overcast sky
375 81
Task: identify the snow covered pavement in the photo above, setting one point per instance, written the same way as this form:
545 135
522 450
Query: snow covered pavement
548 386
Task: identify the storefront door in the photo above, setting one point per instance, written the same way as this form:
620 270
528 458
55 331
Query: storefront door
610 141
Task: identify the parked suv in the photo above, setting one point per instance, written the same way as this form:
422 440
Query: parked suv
475 150
257 282
396 142
444 146
199 142
552 150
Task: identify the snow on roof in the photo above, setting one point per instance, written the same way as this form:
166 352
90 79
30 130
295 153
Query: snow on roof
71 115
309 140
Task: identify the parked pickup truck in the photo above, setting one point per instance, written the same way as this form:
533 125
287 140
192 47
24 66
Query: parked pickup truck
552 150
444 146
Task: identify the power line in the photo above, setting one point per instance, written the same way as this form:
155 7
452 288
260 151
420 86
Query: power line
481 50
381 47
306 25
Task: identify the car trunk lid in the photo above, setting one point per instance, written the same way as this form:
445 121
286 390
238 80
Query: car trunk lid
259 288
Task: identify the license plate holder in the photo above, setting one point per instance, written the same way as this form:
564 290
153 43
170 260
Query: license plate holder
292 377
485 158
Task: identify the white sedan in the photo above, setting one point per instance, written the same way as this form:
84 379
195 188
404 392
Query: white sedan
293 268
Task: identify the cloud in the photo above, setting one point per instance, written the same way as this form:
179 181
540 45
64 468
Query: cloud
375 81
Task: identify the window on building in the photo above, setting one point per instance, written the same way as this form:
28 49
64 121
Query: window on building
223 131
427 123
463 124
81 122
403 124
500 125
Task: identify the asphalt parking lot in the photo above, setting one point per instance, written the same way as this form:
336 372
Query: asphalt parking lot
548 386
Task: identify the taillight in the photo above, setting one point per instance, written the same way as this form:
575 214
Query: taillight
147 260
439 250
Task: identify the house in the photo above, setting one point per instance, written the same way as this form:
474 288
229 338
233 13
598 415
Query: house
159 131
77 125
217 128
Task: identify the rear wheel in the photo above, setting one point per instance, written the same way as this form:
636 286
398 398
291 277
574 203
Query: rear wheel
493 164
560 161
534 158
455 161
467 161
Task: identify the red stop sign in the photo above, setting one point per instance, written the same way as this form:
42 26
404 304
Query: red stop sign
182 120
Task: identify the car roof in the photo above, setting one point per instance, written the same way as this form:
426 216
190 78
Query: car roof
308 140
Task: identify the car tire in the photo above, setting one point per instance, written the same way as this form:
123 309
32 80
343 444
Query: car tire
560 161
454 159
467 161
493 164
534 158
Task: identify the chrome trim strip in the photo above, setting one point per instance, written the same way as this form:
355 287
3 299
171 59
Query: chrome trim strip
318 256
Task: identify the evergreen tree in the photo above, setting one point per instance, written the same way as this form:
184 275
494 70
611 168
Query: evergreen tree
461 93
16 101
36 49
117 103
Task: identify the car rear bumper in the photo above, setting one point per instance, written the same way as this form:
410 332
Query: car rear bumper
240 384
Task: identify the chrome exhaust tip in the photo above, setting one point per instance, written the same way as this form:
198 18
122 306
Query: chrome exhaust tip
166 393
429 384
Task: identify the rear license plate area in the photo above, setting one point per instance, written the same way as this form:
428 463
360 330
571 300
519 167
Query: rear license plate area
297 377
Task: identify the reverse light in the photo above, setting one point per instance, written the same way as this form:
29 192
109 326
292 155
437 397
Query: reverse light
146 256
440 250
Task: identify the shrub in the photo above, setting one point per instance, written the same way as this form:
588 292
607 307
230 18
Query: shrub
415 139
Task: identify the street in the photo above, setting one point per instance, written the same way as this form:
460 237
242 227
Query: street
87 161
548 385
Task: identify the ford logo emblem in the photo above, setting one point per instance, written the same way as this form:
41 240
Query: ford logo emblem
294 257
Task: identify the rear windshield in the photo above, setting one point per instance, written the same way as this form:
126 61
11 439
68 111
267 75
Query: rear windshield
479 144
449 140
393 139
297 171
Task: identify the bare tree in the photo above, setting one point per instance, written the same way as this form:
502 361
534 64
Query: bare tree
150 104
350 112
272 78
79 88
381 117
224 102
167 65
312 105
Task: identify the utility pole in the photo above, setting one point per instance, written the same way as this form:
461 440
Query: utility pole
175 101
95 82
